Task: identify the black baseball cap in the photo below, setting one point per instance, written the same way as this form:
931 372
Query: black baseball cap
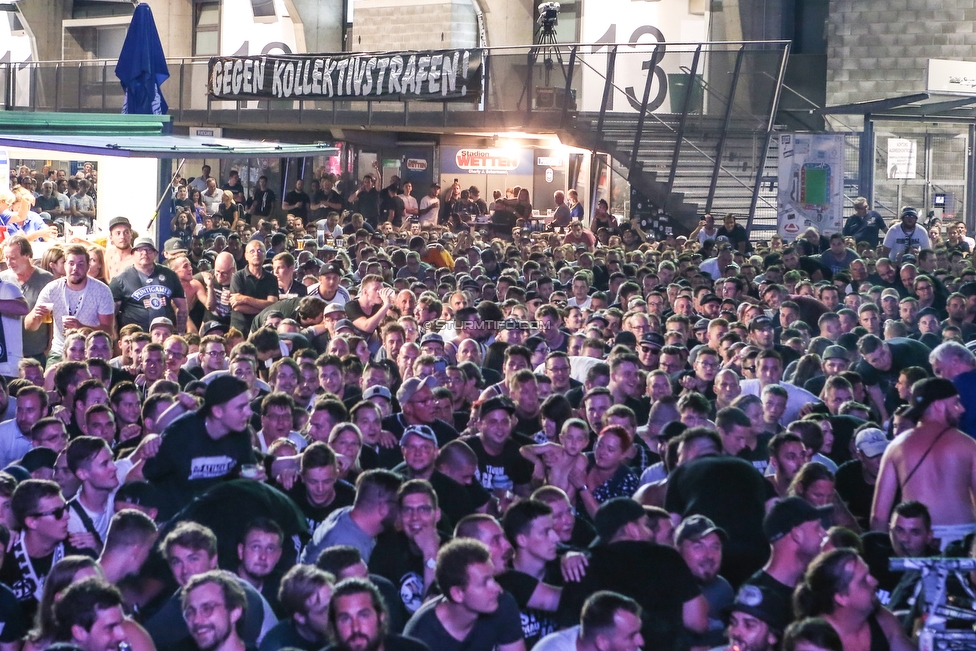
927 391
222 390
652 339
38 458
212 326
764 605
625 338
330 268
614 514
696 527
789 513
497 402
760 323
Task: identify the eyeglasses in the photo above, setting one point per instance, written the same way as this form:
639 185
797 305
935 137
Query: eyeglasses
751 369
216 353
58 513
206 610
175 353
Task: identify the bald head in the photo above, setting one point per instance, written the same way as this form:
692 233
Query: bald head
224 268
225 262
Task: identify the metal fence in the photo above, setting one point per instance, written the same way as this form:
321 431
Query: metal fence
689 120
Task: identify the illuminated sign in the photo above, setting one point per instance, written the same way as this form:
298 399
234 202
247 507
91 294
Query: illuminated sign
487 160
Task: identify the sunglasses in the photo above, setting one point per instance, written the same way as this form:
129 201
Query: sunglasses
58 513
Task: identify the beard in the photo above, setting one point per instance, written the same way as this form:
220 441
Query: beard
219 637
368 643
735 644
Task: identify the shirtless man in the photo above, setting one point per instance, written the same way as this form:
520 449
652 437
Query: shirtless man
554 462
934 464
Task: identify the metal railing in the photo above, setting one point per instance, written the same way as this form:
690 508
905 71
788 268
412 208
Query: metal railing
684 99
564 77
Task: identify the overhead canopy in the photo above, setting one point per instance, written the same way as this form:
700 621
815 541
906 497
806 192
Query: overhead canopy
918 106
81 124
162 146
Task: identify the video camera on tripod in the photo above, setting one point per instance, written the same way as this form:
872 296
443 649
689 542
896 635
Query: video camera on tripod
548 15
935 635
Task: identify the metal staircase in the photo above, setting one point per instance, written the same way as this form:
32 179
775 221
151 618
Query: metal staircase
694 188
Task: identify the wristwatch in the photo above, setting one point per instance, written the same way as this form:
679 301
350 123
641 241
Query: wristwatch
583 489
431 563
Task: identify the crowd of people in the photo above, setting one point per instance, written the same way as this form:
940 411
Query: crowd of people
432 433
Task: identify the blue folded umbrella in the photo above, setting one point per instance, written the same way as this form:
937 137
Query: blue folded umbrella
142 66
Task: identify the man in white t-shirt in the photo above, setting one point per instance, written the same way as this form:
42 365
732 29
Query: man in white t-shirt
430 206
91 510
74 301
410 207
581 292
906 235
707 230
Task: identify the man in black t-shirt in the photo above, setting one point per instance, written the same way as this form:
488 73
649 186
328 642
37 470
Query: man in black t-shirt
627 561
234 185
204 447
883 360
500 464
305 592
736 234
416 400
147 290
535 576
473 607
367 201
795 534
855 479
262 199
358 614
296 202
251 289
392 206
729 491
408 558
318 491
418 445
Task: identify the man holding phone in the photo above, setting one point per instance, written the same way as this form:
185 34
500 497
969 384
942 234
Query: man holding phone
368 310
430 206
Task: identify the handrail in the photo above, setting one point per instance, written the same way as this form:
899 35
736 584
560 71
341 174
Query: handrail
59 81
689 142
492 48
721 96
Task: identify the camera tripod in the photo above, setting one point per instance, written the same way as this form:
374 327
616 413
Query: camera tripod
935 635
548 51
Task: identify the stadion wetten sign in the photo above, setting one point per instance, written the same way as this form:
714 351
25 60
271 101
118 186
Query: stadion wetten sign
431 75
483 161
